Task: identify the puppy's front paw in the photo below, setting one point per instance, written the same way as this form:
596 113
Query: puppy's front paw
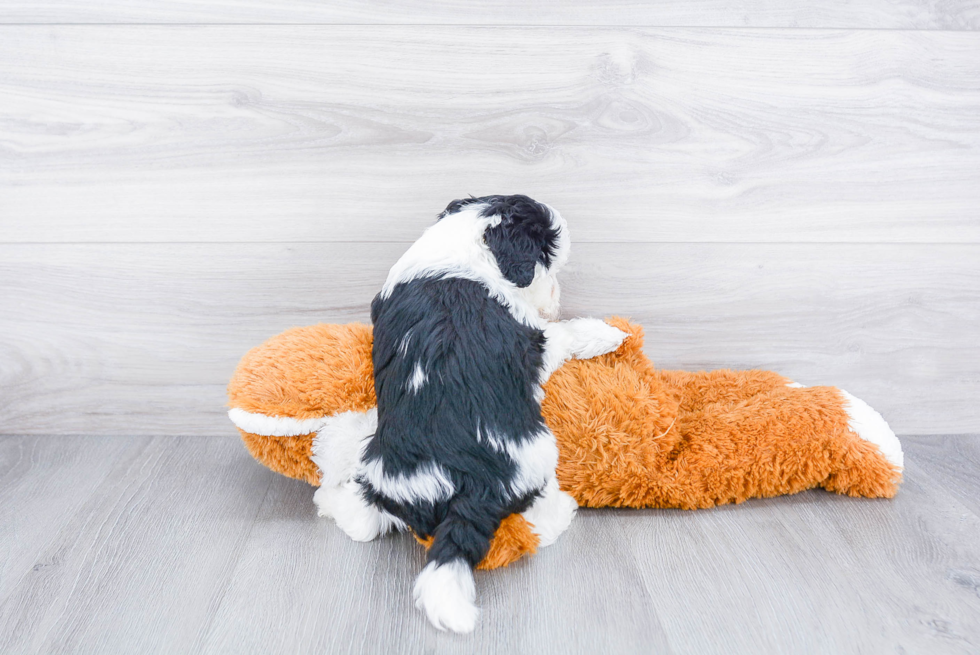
594 337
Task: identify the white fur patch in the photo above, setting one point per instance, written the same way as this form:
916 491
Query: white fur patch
446 594
551 513
483 435
360 520
418 378
274 426
795 385
870 426
582 338
544 292
536 458
339 445
592 337
404 343
429 482
337 451
536 461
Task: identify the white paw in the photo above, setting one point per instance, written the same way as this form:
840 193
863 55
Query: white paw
870 426
551 514
345 505
445 592
593 337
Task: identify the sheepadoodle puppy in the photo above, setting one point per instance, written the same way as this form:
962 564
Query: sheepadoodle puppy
465 334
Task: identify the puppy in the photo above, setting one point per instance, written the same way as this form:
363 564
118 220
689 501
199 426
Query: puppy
463 341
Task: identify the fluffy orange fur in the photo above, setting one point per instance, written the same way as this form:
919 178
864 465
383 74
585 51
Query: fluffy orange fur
512 540
305 372
628 434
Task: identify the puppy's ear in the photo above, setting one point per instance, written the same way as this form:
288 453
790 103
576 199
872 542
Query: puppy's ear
516 250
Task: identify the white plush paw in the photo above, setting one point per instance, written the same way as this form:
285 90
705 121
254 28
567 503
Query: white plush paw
870 426
551 514
354 515
446 593
593 337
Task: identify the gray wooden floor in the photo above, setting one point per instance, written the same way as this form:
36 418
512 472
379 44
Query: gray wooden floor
185 545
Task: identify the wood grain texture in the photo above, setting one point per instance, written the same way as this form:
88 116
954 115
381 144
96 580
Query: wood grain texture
144 551
812 573
358 597
953 462
178 545
352 133
142 339
908 14
39 475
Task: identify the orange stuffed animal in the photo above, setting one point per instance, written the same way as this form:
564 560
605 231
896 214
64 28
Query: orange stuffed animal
628 435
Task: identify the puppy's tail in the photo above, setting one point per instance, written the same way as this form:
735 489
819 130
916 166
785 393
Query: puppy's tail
445 589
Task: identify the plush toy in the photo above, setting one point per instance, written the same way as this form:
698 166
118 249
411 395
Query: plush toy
628 435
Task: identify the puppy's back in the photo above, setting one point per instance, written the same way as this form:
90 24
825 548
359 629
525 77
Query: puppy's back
455 376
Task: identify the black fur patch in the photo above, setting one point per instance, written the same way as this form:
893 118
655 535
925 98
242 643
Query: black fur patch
459 204
482 370
524 237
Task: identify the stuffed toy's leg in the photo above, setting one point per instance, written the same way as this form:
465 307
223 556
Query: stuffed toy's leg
633 436
774 442
819 436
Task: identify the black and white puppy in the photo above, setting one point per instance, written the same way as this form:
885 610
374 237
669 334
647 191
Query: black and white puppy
463 341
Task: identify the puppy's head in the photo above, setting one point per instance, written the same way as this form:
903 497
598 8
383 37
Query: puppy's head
529 242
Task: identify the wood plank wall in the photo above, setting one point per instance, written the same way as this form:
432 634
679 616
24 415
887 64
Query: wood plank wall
791 186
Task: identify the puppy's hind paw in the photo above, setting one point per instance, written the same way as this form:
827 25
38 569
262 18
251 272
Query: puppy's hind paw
594 337
551 513
345 505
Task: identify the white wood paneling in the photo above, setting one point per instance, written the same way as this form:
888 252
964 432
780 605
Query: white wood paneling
141 339
902 14
353 133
